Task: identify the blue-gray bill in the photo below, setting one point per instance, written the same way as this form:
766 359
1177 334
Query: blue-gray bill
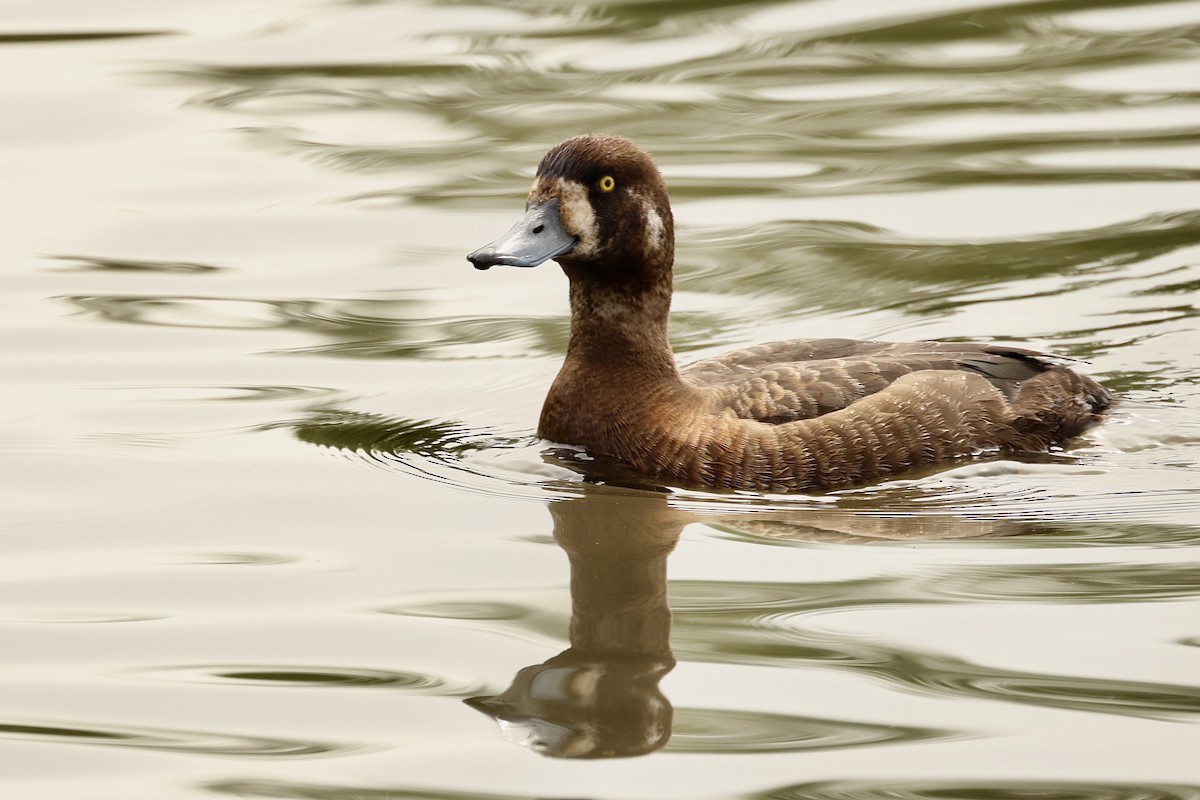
538 237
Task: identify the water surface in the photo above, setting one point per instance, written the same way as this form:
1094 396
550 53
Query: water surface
276 523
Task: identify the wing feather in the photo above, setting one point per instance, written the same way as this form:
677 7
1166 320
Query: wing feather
780 382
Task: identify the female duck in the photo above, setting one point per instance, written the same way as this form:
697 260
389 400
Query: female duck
785 416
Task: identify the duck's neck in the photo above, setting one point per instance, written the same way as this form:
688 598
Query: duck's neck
621 327
619 371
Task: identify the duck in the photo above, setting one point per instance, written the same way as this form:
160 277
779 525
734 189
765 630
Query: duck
802 415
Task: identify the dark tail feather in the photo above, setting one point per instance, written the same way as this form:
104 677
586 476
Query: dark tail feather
1055 406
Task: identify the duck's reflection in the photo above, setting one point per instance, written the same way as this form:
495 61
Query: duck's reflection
600 697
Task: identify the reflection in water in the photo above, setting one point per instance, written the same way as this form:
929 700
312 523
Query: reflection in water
726 731
171 741
349 328
600 697
809 93
312 791
828 790
294 676
91 264
75 36
846 262
981 790
733 623
385 436
434 450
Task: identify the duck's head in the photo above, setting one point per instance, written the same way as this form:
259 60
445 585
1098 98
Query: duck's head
597 206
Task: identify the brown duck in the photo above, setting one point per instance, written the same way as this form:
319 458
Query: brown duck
798 415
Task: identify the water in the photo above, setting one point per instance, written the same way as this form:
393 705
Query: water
275 523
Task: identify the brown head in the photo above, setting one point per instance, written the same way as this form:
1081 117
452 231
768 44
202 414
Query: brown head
599 207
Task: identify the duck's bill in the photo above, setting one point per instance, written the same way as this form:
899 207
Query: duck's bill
538 237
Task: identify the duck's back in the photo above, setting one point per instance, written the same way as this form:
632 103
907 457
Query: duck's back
860 410
779 382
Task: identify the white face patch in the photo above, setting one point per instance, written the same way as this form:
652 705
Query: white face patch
655 232
578 217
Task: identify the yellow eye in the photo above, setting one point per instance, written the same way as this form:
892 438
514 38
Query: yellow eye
606 184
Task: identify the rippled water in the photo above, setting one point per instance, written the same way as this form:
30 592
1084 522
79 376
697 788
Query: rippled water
275 521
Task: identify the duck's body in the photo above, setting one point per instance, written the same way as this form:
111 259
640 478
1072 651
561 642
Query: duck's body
786 416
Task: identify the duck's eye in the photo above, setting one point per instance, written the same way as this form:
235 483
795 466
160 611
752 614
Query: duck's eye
606 184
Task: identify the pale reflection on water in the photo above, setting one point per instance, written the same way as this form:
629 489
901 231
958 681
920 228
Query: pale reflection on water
274 505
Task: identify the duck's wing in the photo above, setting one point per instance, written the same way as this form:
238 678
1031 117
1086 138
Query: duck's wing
785 381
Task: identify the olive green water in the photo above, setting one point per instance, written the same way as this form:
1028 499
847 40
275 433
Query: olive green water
272 504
